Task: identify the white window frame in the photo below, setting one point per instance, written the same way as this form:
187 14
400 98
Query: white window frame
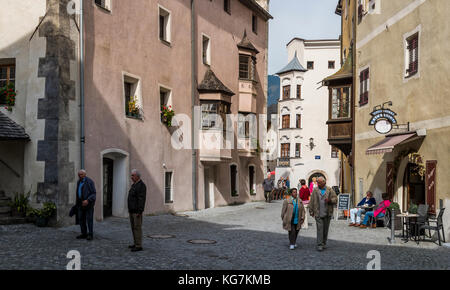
107 6
167 23
208 50
137 88
359 84
407 35
171 187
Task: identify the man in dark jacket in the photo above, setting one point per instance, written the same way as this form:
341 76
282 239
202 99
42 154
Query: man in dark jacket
136 206
86 196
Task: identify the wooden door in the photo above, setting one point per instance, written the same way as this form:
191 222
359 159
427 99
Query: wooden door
430 179
108 171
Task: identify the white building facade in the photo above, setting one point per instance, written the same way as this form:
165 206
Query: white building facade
303 148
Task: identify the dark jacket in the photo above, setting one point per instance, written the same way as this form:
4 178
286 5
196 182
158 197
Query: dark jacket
268 184
136 197
88 192
371 201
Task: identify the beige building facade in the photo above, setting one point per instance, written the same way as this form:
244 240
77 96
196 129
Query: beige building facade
402 47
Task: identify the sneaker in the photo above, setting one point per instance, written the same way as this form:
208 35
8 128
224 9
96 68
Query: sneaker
292 247
295 246
82 237
320 248
136 249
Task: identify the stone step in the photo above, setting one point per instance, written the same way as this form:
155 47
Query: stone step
5 202
5 210
2 194
4 221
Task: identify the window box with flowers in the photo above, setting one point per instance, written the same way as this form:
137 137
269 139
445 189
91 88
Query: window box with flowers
8 96
133 109
167 114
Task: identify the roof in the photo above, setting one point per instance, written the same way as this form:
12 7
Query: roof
345 72
211 84
10 130
253 5
246 44
294 65
388 144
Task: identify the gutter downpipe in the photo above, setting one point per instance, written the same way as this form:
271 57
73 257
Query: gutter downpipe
355 52
193 89
82 129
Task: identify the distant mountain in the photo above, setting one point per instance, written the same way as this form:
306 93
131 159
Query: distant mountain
274 90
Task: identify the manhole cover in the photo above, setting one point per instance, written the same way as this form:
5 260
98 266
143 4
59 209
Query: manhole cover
161 237
202 242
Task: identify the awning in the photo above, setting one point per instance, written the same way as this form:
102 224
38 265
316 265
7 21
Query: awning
389 143
10 130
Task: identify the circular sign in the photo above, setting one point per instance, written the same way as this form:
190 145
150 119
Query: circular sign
383 126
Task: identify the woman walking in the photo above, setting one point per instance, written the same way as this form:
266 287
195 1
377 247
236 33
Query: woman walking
293 216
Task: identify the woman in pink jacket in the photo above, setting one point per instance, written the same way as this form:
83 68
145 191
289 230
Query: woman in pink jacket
379 212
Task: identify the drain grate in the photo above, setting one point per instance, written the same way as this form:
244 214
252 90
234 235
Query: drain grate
202 242
260 208
161 237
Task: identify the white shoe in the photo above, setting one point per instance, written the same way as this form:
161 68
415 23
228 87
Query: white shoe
295 246
292 247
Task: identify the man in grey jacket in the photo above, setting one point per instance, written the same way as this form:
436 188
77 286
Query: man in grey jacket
136 206
321 207
268 187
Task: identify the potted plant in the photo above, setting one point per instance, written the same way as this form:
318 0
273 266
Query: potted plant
133 108
20 204
394 210
43 215
167 114
8 93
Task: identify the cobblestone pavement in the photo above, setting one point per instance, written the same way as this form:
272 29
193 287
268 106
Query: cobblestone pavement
249 237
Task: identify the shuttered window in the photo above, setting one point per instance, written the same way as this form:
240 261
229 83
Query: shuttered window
364 87
413 51
285 150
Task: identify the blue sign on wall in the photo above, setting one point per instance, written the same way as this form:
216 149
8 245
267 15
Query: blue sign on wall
318 157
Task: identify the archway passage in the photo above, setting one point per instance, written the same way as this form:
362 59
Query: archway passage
108 183
316 175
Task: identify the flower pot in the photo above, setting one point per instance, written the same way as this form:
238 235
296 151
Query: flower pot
16 213
41 222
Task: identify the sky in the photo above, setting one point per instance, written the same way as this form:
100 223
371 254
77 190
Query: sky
307 19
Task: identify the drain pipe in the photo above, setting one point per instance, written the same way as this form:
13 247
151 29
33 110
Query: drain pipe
193 94
82 132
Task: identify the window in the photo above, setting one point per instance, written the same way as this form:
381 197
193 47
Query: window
214 115
286 124
246 67
360 10
255 23
206 50
246 125
331 64
340 103
310 65
251 179
286 92
334 152
298 150
299 122
105 4
7 75
234 180
413 53
168 187
132 92
164 25
165 96
364 87
299 91
227 6
285 150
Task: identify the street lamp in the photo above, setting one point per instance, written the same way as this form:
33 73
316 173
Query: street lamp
311 143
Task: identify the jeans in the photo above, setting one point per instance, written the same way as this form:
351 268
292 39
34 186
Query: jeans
370 215
86 219
356 212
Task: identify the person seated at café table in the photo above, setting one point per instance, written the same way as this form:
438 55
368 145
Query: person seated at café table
356 213
378 213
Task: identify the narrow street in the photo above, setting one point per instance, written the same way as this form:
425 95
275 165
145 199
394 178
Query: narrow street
248 237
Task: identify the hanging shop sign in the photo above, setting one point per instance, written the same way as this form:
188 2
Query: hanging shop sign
383 120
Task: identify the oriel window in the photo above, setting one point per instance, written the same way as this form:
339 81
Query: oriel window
340 103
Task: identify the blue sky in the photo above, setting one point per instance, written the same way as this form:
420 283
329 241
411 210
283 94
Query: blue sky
308 19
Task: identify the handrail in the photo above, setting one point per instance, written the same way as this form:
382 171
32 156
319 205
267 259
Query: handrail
10 168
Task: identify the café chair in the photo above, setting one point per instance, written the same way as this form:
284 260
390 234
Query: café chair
415 225
437 228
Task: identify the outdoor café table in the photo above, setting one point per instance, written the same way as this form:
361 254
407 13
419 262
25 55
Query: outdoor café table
406 217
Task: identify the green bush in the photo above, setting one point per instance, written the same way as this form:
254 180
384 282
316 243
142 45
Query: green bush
21 202
47 211
394 206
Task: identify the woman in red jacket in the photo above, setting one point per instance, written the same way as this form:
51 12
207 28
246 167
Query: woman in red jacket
304 191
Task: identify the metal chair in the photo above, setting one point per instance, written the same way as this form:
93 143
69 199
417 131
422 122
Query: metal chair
437 228
422 211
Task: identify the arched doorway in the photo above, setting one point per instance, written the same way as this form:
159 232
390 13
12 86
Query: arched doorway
413 187
316 175
115 179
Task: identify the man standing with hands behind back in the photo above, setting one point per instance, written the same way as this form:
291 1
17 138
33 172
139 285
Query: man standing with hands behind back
86 195
136 206
321 207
